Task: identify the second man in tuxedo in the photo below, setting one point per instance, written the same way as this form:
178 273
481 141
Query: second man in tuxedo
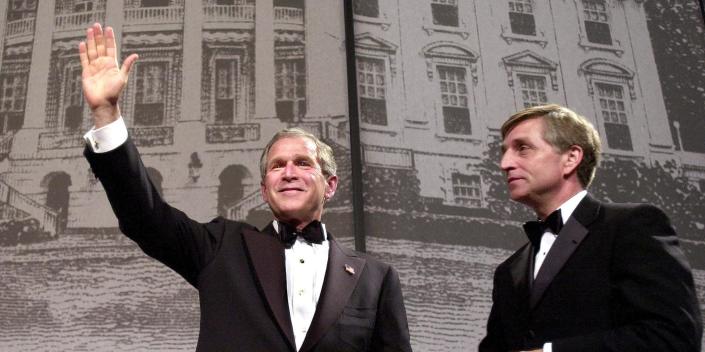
593 276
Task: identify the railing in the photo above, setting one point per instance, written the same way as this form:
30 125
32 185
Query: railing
78 20
9 212
152 136
240 209
222 13
232 133
338 134
154 15
315 128
388 157
288 15
48 218
21 27
60 140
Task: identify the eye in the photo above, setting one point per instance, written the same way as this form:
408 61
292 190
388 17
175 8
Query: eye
303 163
276 165
523 148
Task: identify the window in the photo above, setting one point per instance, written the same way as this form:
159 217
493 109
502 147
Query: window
156 3
20 9
299 4
151 93
13 88
597 27
225 90
372 91
73 99
533 90
290 89
466 190
614 116
454 98
368 8
83 6
521 17
445 12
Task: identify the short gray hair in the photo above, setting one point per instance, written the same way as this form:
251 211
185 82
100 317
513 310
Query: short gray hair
564 128
324 153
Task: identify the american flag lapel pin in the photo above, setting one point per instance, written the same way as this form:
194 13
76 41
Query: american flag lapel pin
350 270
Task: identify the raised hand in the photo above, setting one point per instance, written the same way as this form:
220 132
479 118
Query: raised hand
102 78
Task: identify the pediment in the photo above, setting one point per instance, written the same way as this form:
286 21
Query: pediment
449 49
605 67
529 58
370 42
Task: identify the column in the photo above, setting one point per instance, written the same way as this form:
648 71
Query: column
326 73
34 116
264 59
192 61
3 21
114 17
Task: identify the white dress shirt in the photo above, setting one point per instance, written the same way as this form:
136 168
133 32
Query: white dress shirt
305 270
548 238
305 262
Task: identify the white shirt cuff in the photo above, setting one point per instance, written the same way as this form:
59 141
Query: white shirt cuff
108 137
547 347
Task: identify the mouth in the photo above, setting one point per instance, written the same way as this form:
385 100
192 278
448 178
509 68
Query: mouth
512 179
288 190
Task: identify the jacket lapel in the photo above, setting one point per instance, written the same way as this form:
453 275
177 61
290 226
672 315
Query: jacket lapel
522 269
569 238
267 258
342 273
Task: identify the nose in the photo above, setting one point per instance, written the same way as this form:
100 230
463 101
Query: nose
507 162
290 170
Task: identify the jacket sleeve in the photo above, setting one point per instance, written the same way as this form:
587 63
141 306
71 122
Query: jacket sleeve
161 231
493 341
655 305
391 332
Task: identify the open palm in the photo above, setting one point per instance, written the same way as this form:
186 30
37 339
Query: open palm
102 78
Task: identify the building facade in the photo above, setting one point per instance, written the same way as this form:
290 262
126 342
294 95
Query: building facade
437 78
215 79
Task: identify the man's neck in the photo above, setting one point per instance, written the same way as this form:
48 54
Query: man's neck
545 208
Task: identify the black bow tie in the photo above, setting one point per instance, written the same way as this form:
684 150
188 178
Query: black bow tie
312 233
535 229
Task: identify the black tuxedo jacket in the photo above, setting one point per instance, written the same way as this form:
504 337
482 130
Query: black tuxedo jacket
240 274
614 280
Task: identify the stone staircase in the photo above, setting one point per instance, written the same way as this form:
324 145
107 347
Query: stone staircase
15 206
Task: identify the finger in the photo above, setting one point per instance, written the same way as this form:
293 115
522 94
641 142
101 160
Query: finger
99 40
83 55
127 65
90 45
110 47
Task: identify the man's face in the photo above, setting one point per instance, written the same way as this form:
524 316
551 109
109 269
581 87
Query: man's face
294 186
534 169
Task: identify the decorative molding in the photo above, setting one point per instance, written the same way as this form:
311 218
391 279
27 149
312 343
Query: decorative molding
530 62
232 133
382 22
450 53
605 68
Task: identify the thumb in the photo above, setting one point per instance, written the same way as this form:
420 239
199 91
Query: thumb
127 64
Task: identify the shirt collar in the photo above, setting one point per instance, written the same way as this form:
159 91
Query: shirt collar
569 206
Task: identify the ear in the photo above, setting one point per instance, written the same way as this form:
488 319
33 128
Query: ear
263 191
332 185
571 159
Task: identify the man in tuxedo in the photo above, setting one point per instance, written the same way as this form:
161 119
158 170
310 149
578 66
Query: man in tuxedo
594 276
290 287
